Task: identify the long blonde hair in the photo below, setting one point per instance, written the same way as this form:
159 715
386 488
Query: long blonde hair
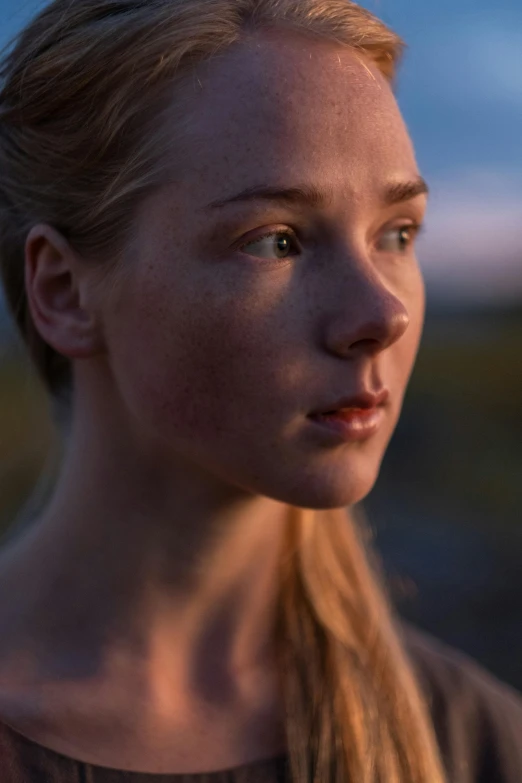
79 148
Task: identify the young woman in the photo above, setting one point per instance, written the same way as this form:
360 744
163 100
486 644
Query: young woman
207 219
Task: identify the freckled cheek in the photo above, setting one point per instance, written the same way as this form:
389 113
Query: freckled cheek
203 374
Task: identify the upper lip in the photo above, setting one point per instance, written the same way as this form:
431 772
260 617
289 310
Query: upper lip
364 399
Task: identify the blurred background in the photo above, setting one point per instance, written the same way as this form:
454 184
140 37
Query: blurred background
446 512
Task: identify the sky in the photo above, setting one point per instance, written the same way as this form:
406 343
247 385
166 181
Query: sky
460 90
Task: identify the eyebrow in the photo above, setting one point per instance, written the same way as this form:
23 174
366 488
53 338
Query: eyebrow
308 195
397 192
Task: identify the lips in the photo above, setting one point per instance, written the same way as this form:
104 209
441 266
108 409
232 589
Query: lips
349 425
362 401
348 413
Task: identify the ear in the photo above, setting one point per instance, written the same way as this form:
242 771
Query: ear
56 294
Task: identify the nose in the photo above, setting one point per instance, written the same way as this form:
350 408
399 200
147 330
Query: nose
368 317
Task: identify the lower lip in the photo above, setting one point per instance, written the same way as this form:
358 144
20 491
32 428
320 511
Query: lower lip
352 425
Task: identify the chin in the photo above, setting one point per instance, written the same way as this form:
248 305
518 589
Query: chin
329 498
328 489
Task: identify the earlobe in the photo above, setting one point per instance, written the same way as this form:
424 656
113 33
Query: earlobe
53 289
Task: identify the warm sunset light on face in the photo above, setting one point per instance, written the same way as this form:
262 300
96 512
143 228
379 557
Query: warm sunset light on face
295 227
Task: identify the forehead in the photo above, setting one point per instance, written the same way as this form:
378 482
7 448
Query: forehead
282 107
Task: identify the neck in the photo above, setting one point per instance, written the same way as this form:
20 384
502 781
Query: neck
158 570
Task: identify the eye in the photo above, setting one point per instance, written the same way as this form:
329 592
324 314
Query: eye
399 239
276 244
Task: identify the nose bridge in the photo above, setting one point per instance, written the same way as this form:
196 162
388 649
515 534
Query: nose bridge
364 311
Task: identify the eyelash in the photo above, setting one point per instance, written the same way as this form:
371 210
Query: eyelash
282 232
414 229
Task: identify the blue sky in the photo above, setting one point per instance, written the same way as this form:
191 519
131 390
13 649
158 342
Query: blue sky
460 88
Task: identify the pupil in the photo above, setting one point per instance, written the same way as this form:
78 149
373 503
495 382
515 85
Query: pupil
282 244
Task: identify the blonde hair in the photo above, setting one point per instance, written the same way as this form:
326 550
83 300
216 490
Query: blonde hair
81 92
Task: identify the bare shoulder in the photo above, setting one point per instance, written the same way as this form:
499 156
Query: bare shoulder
477 717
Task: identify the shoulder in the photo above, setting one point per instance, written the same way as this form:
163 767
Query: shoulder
477 718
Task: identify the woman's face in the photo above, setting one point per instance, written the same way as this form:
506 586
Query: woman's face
233 322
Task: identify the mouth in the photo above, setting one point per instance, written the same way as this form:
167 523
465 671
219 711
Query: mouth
359 404
354 418
347 413
350 424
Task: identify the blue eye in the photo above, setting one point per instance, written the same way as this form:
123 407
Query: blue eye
398 240
276 244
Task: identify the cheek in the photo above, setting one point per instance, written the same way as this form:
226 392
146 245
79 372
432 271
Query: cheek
201 364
